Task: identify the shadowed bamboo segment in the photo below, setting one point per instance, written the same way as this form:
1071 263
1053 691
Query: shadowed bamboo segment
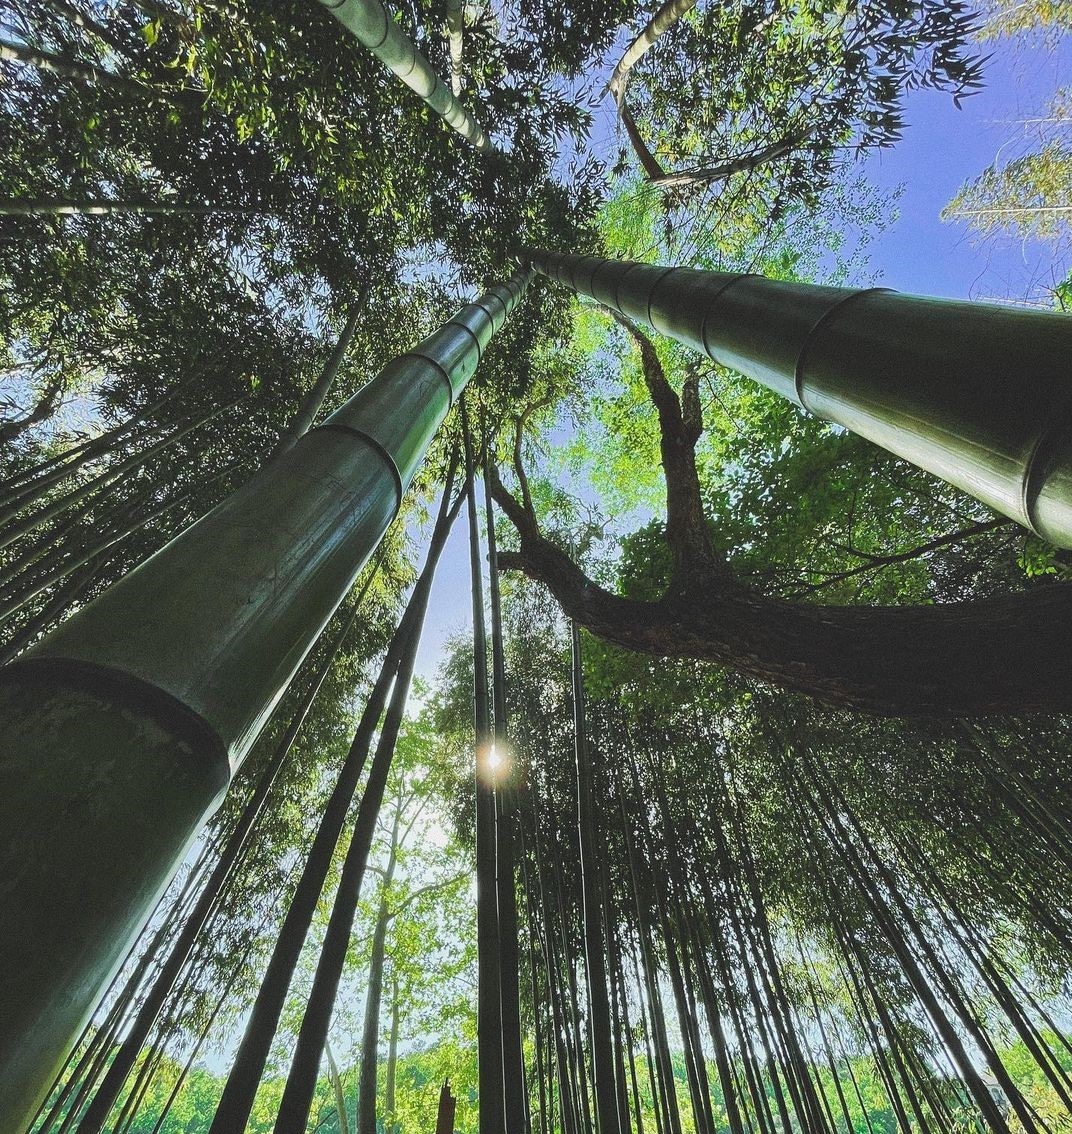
128 720
977 394
369 21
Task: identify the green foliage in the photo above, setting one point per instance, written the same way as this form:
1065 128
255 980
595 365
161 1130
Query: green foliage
1015 17
1028 196
792 86
1026 193
320 172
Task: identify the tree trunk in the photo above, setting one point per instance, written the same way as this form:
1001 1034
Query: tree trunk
660 23
238 843
489 978
241 1088
83 1075
31 484
391 1125
828 348
448 1104
87 73
9 606
704 175
660 1040
52 611
196 1050
98 207
455 31
506 814
135 740
567 1108
337 1089
374 27
603 1076
13 531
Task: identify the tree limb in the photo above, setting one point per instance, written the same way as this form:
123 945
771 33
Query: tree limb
679 430
722 170
1011 654
875 562
88 73
43 408
519 434
661 22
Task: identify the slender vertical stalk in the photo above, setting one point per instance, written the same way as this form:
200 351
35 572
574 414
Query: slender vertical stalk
603 1076
310 407
489 977
506 800
390 1104
312 1035
370 1033
238 1094
110 476
132 716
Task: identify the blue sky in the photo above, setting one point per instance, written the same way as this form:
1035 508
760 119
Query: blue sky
942 148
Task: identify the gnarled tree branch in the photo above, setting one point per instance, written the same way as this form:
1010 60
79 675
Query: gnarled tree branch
1010 654
664 19
694 557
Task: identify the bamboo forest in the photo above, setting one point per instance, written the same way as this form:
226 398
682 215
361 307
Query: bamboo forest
535 567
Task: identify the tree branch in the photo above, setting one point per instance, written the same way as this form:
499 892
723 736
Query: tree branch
722 170
428 888
875 562
680 428
660 23
44 408
1011 654
519 434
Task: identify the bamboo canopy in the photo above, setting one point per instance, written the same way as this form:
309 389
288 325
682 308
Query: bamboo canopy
130 719
373 26
730 908
977 394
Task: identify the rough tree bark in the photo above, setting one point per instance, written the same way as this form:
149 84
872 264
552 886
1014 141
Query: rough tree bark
1007 654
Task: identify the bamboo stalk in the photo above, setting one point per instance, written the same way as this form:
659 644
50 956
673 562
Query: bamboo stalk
369 21
154 692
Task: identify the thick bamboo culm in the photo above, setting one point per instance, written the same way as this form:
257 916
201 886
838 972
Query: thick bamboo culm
977 394
370 22
129 719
